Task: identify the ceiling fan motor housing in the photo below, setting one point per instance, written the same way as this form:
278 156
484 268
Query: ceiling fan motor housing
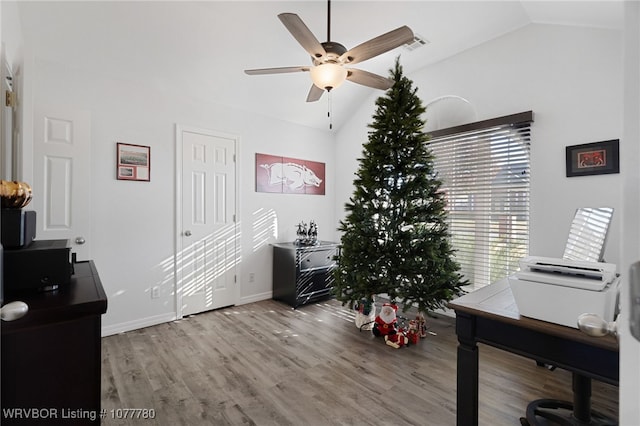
334 51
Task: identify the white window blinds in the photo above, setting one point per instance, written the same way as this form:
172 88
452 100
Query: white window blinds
484 168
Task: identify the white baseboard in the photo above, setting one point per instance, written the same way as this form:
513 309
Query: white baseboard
160 319
255 298
137 324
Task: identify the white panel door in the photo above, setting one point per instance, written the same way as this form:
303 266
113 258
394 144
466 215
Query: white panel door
208 246
62 177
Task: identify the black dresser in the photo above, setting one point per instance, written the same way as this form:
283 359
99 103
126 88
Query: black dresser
51 357
303 274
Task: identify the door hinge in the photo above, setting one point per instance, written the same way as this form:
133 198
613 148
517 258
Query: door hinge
10 98
235 278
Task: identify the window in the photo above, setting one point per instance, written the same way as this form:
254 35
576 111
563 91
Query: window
484 168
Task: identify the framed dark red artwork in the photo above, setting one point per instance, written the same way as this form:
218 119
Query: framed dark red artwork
595 158
278 174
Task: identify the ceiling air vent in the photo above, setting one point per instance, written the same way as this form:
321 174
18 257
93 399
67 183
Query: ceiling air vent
418 41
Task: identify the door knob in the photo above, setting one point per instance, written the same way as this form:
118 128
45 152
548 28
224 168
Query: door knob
80 240
187 233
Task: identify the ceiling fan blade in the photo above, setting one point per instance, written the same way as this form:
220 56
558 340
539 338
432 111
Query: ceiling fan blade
280 70
303 34
369 79
315 93
377 46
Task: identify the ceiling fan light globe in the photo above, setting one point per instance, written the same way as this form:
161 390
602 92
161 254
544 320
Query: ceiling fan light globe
328 76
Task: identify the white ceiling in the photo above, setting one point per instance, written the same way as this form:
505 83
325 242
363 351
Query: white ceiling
201 48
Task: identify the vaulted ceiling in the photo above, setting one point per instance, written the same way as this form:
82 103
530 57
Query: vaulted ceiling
201 48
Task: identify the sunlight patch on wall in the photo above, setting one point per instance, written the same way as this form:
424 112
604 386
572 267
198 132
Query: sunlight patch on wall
166 280
264 227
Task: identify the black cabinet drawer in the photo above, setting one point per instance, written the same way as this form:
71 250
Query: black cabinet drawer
312 284
314 259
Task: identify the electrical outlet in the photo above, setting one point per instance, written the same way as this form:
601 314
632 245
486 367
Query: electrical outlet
155 292
252 277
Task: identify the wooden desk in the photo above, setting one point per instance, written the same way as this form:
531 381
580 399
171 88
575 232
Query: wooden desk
490 316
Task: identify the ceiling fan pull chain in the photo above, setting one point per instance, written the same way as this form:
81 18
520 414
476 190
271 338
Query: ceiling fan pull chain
329 111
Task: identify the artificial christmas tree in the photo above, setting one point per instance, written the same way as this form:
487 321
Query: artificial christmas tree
394 237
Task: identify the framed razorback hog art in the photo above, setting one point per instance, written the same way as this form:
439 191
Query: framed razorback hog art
278 174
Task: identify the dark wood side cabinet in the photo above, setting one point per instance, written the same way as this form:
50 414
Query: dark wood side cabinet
303 274
51 357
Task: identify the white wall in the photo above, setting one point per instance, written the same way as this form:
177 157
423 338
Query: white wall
133 223
571 78
10 33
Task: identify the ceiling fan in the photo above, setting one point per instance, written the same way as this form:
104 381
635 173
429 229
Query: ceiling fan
329 58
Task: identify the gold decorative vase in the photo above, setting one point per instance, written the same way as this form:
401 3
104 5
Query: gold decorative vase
14 194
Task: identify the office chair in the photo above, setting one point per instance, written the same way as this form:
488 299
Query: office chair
586 242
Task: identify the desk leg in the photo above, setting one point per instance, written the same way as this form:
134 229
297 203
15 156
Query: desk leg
582 398
467 382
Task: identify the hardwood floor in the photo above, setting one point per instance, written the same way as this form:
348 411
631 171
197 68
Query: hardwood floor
267 364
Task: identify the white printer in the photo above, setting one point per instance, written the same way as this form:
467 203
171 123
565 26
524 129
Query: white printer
560 290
